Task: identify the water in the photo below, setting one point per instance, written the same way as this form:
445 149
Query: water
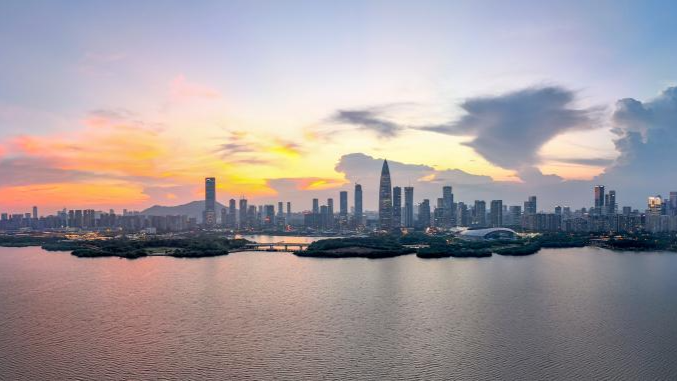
561 314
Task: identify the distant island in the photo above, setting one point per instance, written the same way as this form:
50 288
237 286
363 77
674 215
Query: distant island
430 247
210 244
193 246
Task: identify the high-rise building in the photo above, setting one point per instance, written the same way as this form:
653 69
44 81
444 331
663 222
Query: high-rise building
209 216
329 223
343 204
673 203
385 199
35 212
408 207
448 206
358 205
496 213
656 206
244 210
530 206
423 221
232 216
599 199
269 215
480 213
611 206
462 216
224 216
316 206
288 212
515 215
397 207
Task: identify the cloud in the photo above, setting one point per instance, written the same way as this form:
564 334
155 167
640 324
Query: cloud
368 120
595 162
509 129
181 88
34 170
247 148
646 140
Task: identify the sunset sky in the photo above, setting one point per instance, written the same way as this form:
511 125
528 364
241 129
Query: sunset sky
130 104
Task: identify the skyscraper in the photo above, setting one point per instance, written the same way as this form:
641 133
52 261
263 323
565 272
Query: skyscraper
232 217
288 212
343 204
316 206
611 206
224 217
397 207
424 214
209 217
385 199
673 203
35 212
480 213
447 206
496 213
329 223
599 198
358 205
656 206
243 213
408 207
530 206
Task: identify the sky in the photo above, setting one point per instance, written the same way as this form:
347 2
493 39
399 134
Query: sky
131 104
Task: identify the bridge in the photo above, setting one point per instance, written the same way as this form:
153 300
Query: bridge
275 246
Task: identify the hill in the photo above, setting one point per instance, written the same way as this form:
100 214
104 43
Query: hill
192 209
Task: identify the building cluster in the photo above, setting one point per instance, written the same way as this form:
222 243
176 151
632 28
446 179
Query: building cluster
396 211
93 220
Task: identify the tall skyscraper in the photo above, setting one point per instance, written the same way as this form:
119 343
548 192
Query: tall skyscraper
397 207
462 214
447 206
243 213
224 217
209 217
316 206
343 204
424 214
358 205
656 205
288 212
408 207
673 203
480 213
599 198
385 199
611 206
329 223
232 217
496 213
35 212
268 215
530 206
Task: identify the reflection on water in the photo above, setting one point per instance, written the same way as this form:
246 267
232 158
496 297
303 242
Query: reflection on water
561 314
260 238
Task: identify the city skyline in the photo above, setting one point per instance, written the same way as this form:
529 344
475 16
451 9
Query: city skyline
525 104
660 214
